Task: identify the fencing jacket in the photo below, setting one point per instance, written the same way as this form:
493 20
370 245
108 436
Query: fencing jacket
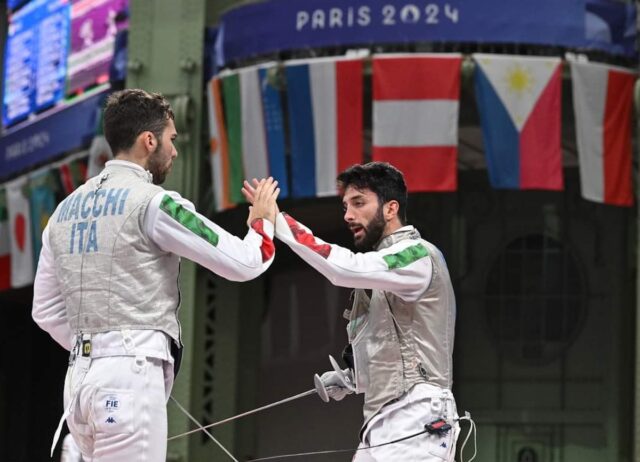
403 334
111 253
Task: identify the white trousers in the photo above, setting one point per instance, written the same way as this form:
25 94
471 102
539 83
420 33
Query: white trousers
422 405
119 408
70 450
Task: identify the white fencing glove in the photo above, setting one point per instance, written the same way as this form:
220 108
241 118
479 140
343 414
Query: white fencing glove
334 384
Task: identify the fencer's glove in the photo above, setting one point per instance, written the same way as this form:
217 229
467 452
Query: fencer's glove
335 384
329 386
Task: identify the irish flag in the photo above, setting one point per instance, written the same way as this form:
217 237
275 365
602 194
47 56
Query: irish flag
218 147
602 101
415 117
519 103
255 132
325 122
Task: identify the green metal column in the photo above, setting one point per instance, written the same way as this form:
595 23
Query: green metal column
166 41
229 369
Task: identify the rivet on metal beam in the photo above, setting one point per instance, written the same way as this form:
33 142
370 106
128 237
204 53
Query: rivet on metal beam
134 66
188 65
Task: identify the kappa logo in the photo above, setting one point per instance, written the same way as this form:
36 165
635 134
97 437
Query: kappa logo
110 420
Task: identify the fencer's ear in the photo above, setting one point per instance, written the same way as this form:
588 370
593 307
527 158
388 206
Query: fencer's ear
391 210
148 140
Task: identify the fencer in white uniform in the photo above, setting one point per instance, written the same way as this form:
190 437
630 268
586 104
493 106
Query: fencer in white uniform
106 288
401 335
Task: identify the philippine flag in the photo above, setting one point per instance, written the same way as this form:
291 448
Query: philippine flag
603 105
519 103
325 121
415 117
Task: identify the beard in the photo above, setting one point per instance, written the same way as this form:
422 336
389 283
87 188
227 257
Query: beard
157 165
372 233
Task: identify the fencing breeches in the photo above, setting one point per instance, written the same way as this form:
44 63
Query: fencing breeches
119 412
422 405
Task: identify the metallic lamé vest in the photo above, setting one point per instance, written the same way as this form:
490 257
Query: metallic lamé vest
397 344
112 276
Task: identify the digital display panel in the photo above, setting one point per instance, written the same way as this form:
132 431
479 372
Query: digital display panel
13 5
35 58
93 31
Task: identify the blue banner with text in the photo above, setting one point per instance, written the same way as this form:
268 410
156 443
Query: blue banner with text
69 128
283 25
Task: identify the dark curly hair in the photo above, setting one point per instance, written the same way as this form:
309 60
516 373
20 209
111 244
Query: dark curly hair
382 178
129 112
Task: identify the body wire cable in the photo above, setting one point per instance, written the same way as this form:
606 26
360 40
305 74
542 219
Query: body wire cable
337 451
195 421
229 419
467 416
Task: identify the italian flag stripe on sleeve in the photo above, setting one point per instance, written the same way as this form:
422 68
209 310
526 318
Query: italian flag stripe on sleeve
307 239
267 248
189 220
406 257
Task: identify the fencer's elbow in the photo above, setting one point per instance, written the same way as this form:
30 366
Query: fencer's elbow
37 317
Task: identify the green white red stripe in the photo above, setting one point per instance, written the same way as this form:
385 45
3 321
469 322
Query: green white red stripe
218 147
255 137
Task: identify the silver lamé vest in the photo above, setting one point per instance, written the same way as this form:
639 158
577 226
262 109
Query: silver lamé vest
112 276
397 344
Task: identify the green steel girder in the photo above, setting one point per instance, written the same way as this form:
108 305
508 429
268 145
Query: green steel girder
166 41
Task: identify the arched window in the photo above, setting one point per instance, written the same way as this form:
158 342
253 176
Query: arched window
535 301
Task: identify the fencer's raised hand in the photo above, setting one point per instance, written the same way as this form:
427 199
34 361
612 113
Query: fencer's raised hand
332 385
264 200
249 192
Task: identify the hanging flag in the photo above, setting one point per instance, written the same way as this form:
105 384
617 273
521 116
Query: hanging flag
5 243
255 132
99 151
233 119
325 122
20 232
602 101
519 102
42 201
218 149
73 173
99 154
416 100
274 125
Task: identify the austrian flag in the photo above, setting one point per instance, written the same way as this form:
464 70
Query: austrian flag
415 117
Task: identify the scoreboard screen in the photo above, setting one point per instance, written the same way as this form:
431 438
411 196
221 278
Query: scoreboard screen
13 5
93 32
35 58
57 48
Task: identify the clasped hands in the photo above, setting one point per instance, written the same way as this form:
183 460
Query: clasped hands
262 196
